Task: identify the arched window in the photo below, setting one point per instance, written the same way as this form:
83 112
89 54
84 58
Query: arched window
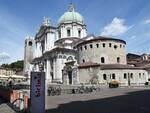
125 76
30 43
70 58
104 76
64 57
91 46
131 75
83 60
139 75
120 45
115 46
79 33
60 56
118 59
113 76
68 32
102 60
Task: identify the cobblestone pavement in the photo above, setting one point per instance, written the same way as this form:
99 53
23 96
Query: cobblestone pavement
119 100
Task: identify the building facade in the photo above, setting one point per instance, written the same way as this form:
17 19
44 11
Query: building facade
7 72
68 55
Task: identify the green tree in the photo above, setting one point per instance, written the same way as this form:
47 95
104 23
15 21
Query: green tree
14 65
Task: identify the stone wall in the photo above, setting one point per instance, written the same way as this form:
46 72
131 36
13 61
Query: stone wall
123 76
110 52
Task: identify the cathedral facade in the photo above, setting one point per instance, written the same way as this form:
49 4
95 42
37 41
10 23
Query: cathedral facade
68 55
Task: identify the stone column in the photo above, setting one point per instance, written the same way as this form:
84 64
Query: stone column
39 51
48 69
44 67
48 41
54 68
37 67
65 76
58 70
45 44
62 32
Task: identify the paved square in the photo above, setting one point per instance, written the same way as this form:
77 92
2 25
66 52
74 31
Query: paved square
119 100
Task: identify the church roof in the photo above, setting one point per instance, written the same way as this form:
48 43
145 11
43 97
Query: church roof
71 16
88 64
101 38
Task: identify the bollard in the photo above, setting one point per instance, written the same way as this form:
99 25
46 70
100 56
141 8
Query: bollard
14 96
21 103
25 102
17 97
11 97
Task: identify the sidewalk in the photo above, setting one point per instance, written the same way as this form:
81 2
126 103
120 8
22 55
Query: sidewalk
4 108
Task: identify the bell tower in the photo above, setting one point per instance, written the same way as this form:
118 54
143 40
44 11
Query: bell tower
28 56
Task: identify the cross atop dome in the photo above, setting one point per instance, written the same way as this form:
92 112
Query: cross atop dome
71 7
46 21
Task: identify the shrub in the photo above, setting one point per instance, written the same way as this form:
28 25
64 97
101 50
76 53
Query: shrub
114 84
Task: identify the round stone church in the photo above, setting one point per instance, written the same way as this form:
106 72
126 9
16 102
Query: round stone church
69 55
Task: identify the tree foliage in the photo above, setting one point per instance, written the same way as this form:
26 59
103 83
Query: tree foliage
14 65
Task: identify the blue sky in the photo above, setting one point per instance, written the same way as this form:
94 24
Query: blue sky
125 19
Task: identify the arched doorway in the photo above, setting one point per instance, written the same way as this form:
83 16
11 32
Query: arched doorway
69 71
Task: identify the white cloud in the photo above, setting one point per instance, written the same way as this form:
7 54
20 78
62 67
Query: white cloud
116 27
4 56
133 37
147 21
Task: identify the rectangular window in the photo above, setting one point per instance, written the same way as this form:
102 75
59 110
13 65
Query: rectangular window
68 33
103 44
79 33
125 76
139 75
104 76
109 44
113 76
81 48
97 45
118 59
85 47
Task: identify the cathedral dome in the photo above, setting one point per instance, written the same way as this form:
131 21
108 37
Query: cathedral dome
71 16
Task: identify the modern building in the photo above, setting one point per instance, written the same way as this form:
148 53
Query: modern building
68 55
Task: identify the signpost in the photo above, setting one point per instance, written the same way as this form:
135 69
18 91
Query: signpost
37 92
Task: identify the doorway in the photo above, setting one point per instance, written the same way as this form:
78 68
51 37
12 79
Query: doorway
70 77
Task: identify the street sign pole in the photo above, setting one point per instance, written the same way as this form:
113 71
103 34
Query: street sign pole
37 92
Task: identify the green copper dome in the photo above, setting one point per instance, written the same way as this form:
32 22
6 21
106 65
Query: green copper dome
71 16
